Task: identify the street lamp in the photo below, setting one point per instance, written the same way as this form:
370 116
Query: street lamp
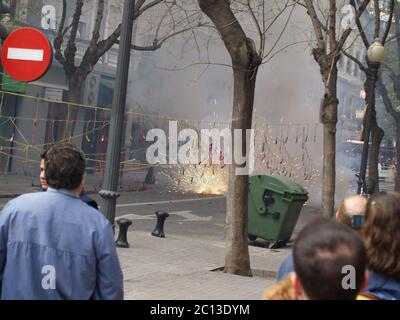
376 52
375 56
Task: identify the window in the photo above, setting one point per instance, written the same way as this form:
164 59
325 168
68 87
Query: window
81 33
356 71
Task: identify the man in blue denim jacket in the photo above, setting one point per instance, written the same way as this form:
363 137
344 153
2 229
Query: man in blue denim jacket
53 245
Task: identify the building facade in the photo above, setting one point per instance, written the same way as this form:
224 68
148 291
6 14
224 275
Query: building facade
36 122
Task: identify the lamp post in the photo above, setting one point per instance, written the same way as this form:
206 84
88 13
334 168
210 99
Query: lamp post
375 56
109 190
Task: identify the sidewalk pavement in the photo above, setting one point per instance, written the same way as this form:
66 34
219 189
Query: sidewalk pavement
180 267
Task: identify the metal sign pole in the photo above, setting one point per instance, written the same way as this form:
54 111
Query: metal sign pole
109 190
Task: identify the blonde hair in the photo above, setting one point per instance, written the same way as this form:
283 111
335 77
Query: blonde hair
282 290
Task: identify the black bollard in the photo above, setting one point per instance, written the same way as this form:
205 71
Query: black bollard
159 230
122 241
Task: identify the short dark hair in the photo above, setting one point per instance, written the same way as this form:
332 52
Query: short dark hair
46 148
320 252
64 166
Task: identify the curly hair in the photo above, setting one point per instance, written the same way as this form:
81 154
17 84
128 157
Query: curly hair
282 290
64 166
382 234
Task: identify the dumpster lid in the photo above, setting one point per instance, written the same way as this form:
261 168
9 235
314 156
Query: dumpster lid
278 184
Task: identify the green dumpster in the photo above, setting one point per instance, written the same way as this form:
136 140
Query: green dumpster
274 204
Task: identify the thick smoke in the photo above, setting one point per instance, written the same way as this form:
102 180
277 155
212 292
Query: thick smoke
178 80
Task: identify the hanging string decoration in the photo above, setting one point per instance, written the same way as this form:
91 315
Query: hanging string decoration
283 150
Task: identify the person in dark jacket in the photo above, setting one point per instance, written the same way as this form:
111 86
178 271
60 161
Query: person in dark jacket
43 183
382 238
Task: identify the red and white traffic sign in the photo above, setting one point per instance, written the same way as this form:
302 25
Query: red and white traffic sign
26 54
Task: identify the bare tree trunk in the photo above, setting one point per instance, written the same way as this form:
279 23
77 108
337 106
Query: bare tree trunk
245 63
75 86
376 134
329 73
373 173
237 253
329 119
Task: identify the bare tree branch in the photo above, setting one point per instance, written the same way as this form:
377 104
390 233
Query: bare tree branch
139 4
278 15
393 37
147 7
157 43
357 61
387 102
261 34
359 11
106 44
316 25
332 27
281 33
58 40
377 13
358 22
389 24
97 25
270 57
168 11
342 41
70 50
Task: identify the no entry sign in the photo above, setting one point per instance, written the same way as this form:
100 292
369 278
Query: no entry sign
26 54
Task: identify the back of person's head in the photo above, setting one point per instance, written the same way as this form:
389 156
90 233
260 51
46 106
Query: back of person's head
382 234
321 252
46 148
349 207
64 166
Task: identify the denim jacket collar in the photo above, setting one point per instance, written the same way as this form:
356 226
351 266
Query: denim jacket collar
63 191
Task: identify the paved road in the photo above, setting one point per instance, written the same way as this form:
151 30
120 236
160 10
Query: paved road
190 214
199 216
